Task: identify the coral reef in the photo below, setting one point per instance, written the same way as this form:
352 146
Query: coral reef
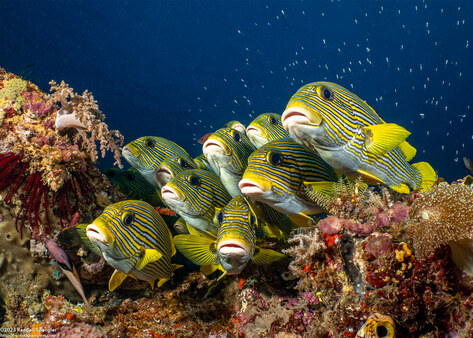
47 175
441 216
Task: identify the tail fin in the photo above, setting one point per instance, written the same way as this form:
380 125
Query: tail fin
429 176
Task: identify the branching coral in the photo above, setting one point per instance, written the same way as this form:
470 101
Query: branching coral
444 215
84 108
43 173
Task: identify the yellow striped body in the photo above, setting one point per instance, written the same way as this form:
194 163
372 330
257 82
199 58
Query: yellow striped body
329 120
146 153
194 195
134 239
170 167
227 151
276 174
264 128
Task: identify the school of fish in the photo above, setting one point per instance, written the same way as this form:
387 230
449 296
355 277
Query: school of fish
248 184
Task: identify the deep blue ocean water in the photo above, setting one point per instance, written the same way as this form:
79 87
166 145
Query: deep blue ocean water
179 69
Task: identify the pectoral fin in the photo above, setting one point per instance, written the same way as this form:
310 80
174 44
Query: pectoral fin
148 256
116 279
209 269
322 187
382 138
370 178
198 249
266 256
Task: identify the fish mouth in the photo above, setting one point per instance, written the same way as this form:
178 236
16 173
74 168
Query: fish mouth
95 234
169 194
212 146
250 188
240 127
128 154
296 115
232 248
162 176
251 130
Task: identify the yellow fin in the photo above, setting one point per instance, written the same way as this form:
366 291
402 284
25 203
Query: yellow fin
302 220
176 266
198 249
222 275
209 269
382 138
266 256
150 255
429 176
407 150
116 279
195 232
162 281
401 188
322 187
369 178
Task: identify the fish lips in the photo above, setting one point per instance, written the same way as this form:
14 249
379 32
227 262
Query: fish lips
162 176
213 146
251 188
99 234
297 115
234 255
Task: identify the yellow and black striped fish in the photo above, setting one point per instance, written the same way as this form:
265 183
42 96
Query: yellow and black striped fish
170 167
349 135
277 174
146 153
134 240
237 125
194 195
202 162
264 128
234 246
227 151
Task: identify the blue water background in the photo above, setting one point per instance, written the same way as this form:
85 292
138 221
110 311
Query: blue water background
179 69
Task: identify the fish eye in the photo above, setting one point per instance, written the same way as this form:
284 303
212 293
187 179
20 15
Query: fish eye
273 120
128 218
382 331
220 217
130 177
193 180
252 220
274 158
149 142
183 163
236 136
325 93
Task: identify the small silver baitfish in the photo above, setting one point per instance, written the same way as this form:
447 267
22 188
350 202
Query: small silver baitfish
134 239
234 246
349 135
